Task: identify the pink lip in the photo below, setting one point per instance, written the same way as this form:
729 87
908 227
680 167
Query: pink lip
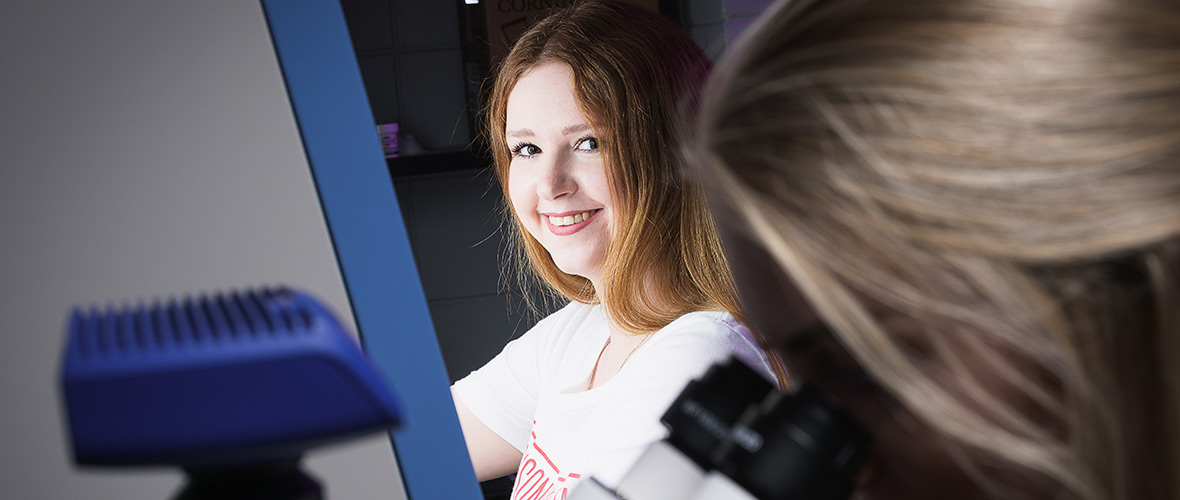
570 229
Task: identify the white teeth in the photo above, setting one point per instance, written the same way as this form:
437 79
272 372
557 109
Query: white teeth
570 219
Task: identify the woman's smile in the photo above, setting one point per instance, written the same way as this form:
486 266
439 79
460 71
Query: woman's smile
567 223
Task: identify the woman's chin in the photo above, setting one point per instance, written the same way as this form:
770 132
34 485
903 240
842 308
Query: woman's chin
578 268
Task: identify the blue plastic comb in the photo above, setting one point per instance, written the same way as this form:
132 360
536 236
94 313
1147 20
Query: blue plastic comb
251 377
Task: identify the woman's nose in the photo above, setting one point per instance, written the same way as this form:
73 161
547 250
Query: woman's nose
557 179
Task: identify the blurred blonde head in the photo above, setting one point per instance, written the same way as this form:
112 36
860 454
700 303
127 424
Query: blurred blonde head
1007 173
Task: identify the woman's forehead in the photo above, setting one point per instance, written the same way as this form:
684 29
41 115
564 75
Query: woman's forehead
545 98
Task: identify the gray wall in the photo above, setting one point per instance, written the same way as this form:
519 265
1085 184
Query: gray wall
410 53
740 14
146 148
713 24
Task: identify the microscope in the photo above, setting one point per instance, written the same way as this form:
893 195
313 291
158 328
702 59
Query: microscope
734 436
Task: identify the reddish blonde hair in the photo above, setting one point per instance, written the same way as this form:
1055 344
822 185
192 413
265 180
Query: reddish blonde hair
635 76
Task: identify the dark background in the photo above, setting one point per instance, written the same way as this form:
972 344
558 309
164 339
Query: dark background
424 63
148 149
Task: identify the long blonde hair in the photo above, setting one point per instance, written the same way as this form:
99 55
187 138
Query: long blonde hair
1007 171
635 73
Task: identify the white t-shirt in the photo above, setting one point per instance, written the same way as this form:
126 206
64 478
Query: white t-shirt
533 394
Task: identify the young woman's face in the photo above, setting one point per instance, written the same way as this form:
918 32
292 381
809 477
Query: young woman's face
557 177
908 460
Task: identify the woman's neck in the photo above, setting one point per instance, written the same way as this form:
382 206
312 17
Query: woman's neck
652 297
616 352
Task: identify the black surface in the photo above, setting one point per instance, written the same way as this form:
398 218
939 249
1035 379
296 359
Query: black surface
435 163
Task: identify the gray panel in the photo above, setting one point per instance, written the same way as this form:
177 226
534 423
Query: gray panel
697 12
433 99
473 330
455 233
426 24
402 189
380 86
711 39
735 27
370 23
746 8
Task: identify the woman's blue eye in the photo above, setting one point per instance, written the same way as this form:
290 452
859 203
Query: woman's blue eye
525 150
587 144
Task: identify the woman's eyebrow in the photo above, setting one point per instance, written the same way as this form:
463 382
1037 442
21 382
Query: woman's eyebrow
573 129
569 130
524 132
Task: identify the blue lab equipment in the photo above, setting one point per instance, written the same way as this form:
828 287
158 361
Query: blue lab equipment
232 385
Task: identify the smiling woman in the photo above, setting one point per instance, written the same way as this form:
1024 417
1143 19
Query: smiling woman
581 122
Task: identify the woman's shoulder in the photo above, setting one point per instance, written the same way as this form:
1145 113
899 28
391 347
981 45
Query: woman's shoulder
709 323
573 320
712 336
705 329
